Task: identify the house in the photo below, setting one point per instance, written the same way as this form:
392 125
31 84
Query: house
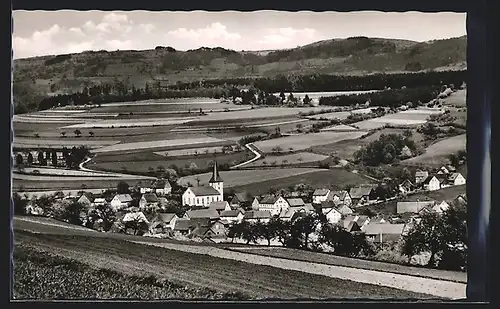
328 208
219 206
461 198
271 203
307 207
203 196
136 216
100 201
85 199
163 222
406 186
160 187
232 216
287 214
350 226
362 194
431 183
383 232
456 179
241 199
210 214
295 202
420 176
121 201
341 197
183 226
436 207
148 201
216 230
412 206
321 195
344 210
443 180
360 220
446 169
254 216
147 188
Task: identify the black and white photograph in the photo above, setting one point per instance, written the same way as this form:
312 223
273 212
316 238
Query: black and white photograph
235 156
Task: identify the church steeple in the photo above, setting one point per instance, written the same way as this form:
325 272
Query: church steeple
215 174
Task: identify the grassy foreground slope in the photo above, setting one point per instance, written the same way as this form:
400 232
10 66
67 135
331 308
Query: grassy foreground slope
196 271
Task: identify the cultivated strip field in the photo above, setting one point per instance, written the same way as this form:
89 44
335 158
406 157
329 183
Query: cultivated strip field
159 144
333 115
437 152
295 158
68 172
457 98
340 128
404 118
188 152
124 123
304 141
244 177
23 142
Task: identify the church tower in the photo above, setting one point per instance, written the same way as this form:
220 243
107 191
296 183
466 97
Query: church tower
216 182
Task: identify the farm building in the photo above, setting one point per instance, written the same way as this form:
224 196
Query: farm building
295 202
456 179
163 222
344 210
436 207
219 206
271 203
148 201
321 195
420 176
361 221
329 209
383 232
86 199
121 201
232 216
241 199
203 196
215 230
287 214
412 206
254 216
431 183
350 225
341 197
446 169
210 214
363 194
183 226
406 186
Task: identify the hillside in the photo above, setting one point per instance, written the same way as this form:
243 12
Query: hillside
40 76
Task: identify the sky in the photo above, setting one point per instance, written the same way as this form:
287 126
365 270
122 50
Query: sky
39 33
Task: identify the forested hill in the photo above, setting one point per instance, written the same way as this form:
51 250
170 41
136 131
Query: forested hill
35 78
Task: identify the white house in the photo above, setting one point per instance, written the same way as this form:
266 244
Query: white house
219 206
332 215
121 201
420 176
232 216
135 216
162 222
254 216
456 179
100 201
273 204
203 196
431 183
287 214
148 200
341 197
160 187
85 199
321 195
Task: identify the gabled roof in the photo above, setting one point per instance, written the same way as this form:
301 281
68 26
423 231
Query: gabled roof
161 184
200 231
307 207
203 213
428 179
242 197
383 228
269 199
204 191
362 220
287 213
341 194
294 202
182 225
200 222
328 204
321 192
257 214
421 173
124 198
344 209
87 195
135 216
359 192
231 213
165 217
349 225
150 197
454 176
218 205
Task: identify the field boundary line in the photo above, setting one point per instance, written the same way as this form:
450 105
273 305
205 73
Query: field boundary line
256 153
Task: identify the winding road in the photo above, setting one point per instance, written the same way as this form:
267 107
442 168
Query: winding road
249 146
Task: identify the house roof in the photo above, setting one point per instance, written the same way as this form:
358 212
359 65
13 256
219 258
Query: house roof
124 198
135 216
454 176
242 197
182 224
321 192
383 228
200 231
165 217
257 214
359 192
429 178
218 205
215 174
161 184
328 204
348 225
344 210
307 206
287 213
341 194
293 202
269 199
150 197
199 222
87 195
203 213
204 191
362 220
421 174
231 213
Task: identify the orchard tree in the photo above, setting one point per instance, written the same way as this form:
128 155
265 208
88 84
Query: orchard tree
122 188
77 133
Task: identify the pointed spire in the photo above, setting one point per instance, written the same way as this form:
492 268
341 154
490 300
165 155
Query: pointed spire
215 174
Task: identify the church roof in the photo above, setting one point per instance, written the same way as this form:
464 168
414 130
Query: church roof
215 174
204 191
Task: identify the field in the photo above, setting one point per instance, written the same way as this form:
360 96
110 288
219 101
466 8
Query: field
290 159
127 123
330 259
197 271
335 178
304 141
20 142
174 107
437 153
52 183
457 99
405 118
245 177
65 172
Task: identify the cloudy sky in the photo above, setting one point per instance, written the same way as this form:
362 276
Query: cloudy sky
38 33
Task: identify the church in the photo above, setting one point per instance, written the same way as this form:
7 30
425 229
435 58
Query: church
203 196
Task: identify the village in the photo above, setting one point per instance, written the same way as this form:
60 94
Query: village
209 215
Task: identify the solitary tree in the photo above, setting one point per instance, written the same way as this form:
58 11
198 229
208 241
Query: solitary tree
299 127
37 135
19 159
197 180
91 134
63 134
122 188
77 133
